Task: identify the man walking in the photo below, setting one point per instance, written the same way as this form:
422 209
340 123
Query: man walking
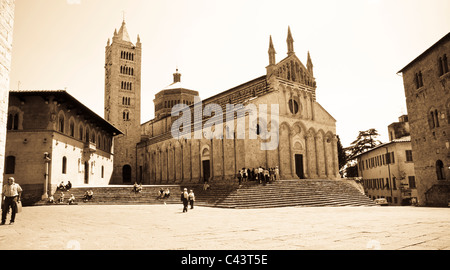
185 200
191 198
11 195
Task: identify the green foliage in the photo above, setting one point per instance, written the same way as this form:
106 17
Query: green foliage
365 141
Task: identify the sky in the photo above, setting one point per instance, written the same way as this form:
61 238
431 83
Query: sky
356 46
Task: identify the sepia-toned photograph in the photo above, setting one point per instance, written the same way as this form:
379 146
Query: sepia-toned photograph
227 130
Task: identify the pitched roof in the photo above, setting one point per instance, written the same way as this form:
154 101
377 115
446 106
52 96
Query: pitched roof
444 38
123 33
64 96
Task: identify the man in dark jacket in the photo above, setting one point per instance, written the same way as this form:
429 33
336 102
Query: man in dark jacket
185 200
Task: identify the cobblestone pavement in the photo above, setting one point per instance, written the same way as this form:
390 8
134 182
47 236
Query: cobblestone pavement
165 227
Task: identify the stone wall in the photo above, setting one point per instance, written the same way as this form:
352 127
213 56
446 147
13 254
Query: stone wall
428 103
6 30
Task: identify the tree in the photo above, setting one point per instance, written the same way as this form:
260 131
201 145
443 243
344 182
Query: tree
342 156
366 140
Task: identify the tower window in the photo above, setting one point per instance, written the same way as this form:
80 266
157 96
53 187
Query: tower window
13 121
418 80
443 65
126 115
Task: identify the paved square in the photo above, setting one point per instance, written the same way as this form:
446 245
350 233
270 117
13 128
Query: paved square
165 227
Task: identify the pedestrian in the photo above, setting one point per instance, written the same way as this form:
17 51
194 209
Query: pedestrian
11 196
185 199
244 175
191 198
239 175
261 174
277 173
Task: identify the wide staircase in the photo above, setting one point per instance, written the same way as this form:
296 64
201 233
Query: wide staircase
282 193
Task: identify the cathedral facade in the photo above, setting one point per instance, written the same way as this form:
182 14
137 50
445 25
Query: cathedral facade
223 133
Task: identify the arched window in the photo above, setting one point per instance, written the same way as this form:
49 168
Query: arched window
80 133
103 171
61 123
99 142
10 164
293 106
64 165
72 129
87 135
440 170
13 121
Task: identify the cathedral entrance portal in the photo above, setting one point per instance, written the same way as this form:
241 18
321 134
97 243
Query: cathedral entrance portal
206 170
299 166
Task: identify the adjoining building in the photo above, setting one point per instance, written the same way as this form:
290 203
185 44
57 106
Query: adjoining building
387 171
427 92
54 138
6 34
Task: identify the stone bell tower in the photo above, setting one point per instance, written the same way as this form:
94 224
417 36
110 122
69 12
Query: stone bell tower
123 101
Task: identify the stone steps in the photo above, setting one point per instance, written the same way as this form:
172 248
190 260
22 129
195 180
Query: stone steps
282 193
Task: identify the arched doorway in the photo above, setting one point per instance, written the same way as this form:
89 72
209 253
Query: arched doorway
206 165
126 173
440 170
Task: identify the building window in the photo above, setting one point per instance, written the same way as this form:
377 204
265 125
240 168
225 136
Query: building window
103 171
418 80
87 135
440 170
81 133
10 164
433 119
99 142
126 115
409 155
61 124
13 121
72 129
64 165
412 181
293 106
443 65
